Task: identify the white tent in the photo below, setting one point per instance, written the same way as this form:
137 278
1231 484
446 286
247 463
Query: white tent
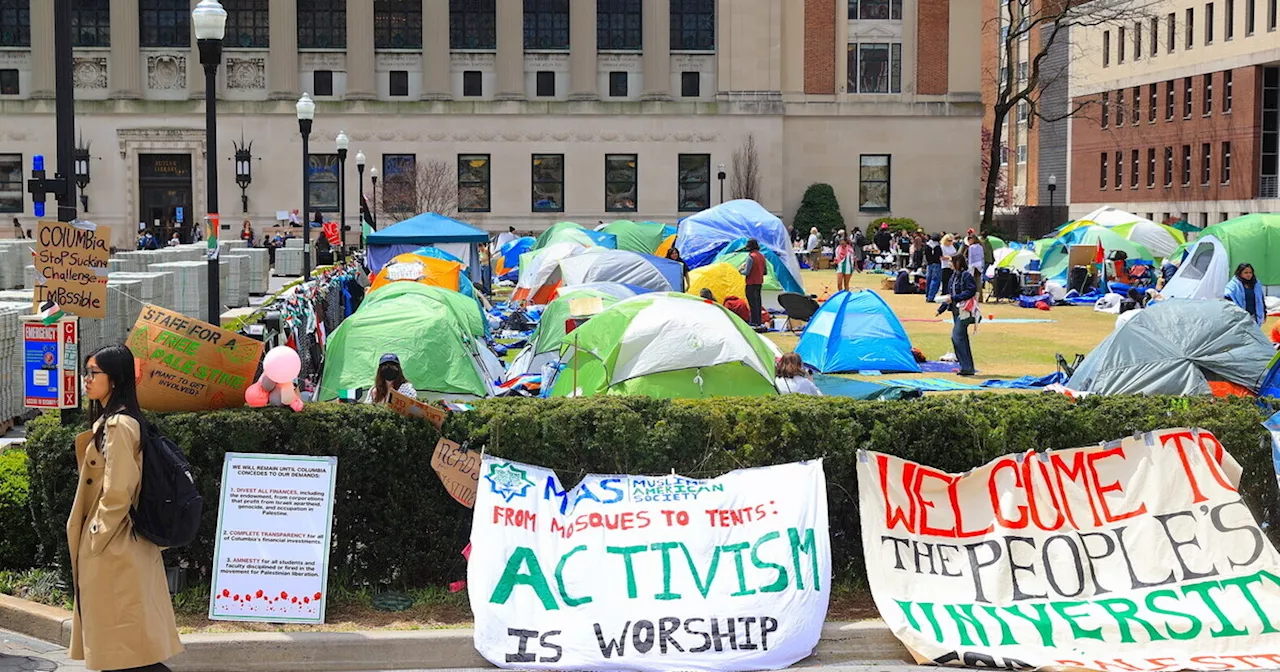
1203 274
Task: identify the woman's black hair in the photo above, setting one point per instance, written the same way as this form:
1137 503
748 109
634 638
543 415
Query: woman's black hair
1240 270
117 364
389 379
958 262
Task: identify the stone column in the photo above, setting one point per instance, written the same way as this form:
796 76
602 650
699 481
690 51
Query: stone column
124 68
43 64
510 50
657 49
195 71
436 60
582 50
361 77
282 59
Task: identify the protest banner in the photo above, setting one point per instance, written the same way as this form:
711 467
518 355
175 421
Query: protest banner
189 365
649 573
71 267
1273 425
271 559
1133 555
412 408
458 470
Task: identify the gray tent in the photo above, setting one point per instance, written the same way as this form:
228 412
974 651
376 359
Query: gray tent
1176 347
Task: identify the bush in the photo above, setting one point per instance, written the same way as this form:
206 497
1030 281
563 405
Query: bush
18 540
819 208
896 224
395 524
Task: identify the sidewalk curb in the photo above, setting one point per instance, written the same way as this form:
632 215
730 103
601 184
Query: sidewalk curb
383 649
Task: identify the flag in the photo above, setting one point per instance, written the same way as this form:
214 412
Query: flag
35 261
50 312
331 232
349 395
1101 255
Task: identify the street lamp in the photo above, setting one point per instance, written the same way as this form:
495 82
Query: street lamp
306 113
244 171
343 143
1053 186
360 170
210 22
82 174
720 176
373 211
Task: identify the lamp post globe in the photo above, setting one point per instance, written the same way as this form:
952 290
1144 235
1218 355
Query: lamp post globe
306 109
209 21
342 143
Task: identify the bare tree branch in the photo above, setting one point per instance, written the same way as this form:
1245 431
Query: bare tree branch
430 187
745 179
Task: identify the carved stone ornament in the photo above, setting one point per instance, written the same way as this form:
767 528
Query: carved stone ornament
90 73
166 72
246 74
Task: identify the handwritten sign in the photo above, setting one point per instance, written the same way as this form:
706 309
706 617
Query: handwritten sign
189 365
412 408
71 267
1136 554
458 470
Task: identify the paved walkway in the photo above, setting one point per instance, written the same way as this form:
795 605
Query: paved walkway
24 654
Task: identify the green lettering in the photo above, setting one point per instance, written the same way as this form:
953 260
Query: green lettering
188 366
626 552
512 577
780 583
1196 625
964 619
1242 582
1076 631
1124 611
1006 633
703 588
1202 589
927 609
736 550
1041 621
905 606
665 547
809 546
564 595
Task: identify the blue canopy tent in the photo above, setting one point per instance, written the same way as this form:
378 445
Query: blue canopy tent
459 239
856 331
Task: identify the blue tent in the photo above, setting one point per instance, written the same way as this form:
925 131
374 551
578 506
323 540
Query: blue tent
856 332
458 238
779 268
704 234
437 253
506 261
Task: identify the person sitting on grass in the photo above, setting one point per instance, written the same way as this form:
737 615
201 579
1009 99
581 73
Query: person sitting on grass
792 378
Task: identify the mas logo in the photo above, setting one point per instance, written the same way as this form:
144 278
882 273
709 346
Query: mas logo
508 481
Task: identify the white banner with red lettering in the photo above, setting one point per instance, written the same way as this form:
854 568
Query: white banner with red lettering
1134 555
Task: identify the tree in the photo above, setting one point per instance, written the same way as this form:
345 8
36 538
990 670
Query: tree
745 180
426 187
819 208
1041 25
1003 197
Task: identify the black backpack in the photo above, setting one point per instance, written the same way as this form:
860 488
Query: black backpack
169 506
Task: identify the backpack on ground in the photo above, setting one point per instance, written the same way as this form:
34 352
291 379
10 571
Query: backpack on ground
169 505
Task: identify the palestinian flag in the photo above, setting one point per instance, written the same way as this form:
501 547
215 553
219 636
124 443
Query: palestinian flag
349 395
50 312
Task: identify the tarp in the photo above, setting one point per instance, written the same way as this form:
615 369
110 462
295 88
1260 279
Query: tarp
836 386
1176 347
704 234
856 331
507 258
428 228
630 268
722 279
642 237
572 232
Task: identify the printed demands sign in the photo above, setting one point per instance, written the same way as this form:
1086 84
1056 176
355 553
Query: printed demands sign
649 573
189 365
271 562
71 267
459 471
1134 555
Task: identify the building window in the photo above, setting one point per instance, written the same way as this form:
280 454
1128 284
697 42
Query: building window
473 24
546 24
1228 27
1249 7
1023 111
620 182
1120 46
1208 94
90 23
545 84
1004 155
11 192
1137 41
1119 169
691 84
1173 31
322 24
164 23
619 25
397 24
9 82
1120 107
1206 151
875 9
322 181
1208 23
248 24
1186 165
1226 92
1186 97
1102 172
1271 15
875 68
472 84
694 183
1134 169
1137 105
693 25
1154 103
1022 71
548 183
873 182
1191 27
1155 36
1022 154
1168 167
617 85
322 82
1106 48
473 183
15 22
400 184
1151 168
1168 100
399 83
1226 163
1106 108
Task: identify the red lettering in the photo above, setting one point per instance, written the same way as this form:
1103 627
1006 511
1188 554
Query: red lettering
994 490
1096 457
1163 664
1215 462
1032 499
917 492
1243 659
1177 438
1212 660
1076 474
953 491
893 513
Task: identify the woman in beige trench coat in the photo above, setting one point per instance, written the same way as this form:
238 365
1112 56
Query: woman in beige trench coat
123 615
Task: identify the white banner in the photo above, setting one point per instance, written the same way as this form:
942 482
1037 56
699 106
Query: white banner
649 572
1134 555
271 562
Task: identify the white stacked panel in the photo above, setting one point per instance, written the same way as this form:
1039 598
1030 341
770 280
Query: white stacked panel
190 287
258 279
11 358
224 286
289 261
226 245
12 260
237 279
124 304
157 287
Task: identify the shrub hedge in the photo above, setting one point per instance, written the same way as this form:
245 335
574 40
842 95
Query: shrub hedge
395 524
17 536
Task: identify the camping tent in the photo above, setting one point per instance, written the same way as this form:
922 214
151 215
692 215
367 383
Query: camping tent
540 272
615 289
736 253
438 335
856 331
704 234
572 232
642 237
722 279
629 268
665 345
1252 239
507 259
1055 258
1177 347
455 237
420 268
544 344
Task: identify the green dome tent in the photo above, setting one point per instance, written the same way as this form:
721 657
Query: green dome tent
572 232
665 345
1054 259
437 333
544 345
642 237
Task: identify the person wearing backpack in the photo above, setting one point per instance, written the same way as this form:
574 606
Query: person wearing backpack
123 616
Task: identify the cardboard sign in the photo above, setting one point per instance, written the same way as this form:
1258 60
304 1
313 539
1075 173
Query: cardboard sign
649 572
412 408
189 365
458 470
1133 555
71 267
